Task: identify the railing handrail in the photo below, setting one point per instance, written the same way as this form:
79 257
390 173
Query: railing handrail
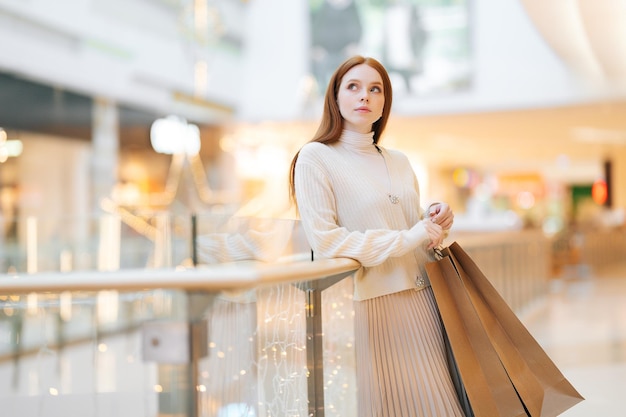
211 278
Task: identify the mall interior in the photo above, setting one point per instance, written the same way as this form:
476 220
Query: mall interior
151 262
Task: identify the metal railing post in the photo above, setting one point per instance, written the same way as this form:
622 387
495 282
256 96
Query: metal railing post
315 340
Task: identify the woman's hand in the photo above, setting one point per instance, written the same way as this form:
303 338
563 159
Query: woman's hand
435 233
441 214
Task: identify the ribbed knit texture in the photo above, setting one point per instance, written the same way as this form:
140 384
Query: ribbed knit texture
241 239
342 192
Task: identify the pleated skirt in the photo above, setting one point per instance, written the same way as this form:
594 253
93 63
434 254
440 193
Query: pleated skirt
401 364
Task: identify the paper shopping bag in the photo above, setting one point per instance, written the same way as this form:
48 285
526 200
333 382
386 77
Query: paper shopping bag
542 387
488 387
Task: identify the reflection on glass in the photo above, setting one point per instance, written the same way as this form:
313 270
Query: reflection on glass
336 32
78 354
232 239
425 44
83 353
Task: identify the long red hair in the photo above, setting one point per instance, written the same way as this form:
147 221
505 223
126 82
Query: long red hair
331 125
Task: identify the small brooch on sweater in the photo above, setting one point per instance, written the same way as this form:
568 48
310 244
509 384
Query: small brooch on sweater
420 283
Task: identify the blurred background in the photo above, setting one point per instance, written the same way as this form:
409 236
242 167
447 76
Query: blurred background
513 111
129 127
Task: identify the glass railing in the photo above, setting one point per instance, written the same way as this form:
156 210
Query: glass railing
110 242
207 315
238 334
257 352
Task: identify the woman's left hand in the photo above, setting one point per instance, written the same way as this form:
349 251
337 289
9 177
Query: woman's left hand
441 214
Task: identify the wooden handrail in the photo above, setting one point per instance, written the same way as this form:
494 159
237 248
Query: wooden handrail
213 278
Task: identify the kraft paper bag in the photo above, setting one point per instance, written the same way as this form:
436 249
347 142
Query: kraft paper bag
541 386
461 392
488 387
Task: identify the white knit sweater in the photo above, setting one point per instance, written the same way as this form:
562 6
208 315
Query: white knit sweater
342 192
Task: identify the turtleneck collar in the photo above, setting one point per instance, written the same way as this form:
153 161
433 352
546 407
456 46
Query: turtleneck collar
358 141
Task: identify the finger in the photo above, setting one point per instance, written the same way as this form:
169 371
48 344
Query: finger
433 210
446 223
434 243
446 219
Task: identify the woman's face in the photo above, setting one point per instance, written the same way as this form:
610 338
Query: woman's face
361 98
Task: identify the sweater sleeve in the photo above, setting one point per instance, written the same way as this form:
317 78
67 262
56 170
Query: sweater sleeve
317 208
262 240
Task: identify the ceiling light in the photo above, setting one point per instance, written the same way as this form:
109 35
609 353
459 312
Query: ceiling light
173 135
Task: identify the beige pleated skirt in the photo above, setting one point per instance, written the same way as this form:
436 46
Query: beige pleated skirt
402 369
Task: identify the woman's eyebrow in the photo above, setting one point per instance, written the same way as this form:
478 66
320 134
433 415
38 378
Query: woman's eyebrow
351 80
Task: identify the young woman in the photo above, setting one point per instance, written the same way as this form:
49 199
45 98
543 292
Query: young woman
359 200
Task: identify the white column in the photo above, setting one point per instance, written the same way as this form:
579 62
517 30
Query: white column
105 144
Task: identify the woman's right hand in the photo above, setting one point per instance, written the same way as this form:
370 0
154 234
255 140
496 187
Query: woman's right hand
435 233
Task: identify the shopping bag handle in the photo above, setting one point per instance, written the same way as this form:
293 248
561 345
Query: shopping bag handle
439 252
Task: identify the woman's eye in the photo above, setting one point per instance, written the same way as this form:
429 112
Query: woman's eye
375 89
352 86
